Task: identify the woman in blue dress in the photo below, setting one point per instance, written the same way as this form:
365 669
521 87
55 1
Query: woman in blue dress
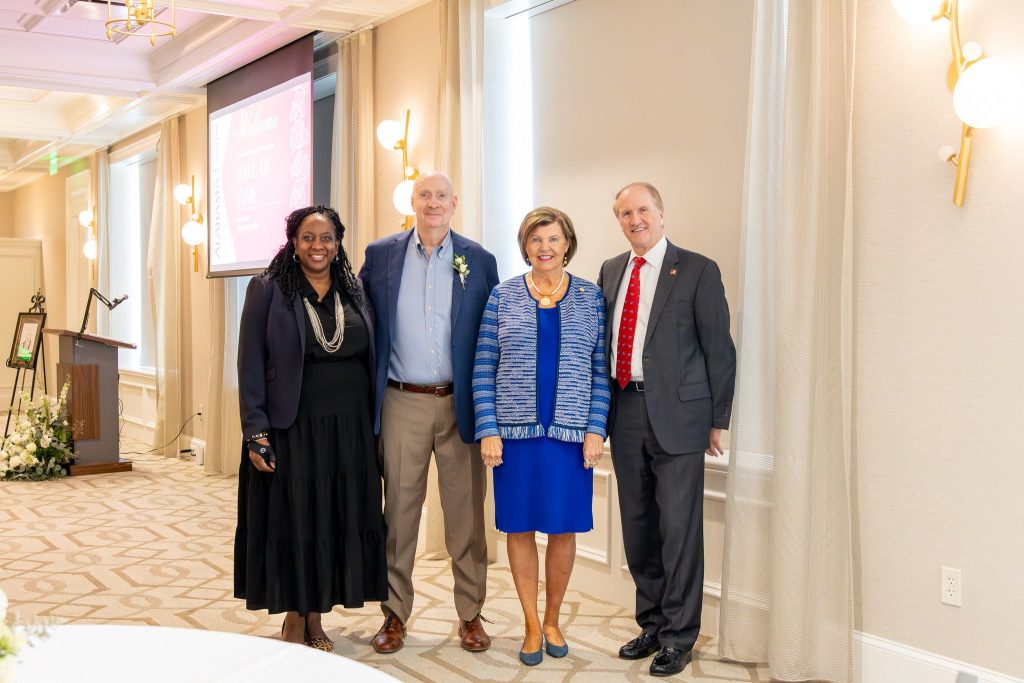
541 395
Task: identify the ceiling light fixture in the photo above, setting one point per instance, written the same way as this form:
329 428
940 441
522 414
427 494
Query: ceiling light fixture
138 15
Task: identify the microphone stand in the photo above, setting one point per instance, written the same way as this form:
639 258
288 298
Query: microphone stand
111 305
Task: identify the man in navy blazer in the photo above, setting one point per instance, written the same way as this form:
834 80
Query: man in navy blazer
673 365
428 287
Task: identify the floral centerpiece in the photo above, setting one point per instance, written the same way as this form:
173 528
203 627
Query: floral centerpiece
10 642
13 637
40 445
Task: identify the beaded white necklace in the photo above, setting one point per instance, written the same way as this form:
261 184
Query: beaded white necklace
318 330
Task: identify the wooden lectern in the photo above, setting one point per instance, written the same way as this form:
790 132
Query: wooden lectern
92 399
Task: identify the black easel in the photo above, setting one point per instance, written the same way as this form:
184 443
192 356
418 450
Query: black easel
37 307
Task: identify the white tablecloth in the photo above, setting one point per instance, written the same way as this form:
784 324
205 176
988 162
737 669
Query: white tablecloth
151 654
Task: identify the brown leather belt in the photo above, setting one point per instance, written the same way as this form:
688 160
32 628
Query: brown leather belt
433 389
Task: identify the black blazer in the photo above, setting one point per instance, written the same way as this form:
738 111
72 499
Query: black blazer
689 359
271 344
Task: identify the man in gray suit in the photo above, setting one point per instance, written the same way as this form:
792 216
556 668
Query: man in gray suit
673 365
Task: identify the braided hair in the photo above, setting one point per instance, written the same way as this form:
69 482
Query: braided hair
284 267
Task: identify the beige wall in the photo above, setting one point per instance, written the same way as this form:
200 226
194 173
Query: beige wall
939 331
39 213
6 214
406 63
613 106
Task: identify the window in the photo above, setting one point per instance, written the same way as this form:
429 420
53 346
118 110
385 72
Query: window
132 186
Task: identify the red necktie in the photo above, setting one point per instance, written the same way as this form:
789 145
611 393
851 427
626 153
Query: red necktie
627 326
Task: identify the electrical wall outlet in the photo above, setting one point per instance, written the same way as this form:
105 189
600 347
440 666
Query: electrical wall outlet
952 588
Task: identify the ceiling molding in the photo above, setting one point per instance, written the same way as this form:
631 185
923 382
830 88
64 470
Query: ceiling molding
64 87
234 11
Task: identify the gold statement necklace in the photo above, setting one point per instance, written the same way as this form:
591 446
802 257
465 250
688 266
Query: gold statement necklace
545 299
318 329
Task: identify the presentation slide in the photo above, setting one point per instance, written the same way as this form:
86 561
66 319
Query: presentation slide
260 171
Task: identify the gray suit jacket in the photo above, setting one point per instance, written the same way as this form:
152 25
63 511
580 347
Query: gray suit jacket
689 359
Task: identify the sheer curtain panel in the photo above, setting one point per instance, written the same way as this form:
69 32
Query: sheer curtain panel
168 268
787 593
352 184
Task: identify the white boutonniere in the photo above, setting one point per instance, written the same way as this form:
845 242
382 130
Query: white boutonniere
461 267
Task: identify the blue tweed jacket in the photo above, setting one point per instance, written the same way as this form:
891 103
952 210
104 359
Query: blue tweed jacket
505 370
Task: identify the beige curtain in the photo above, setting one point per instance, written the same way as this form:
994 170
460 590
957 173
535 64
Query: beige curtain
223 425
352 184
787 595
168 267
459 101
101 202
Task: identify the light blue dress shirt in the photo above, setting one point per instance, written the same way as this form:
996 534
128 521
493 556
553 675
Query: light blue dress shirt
421 352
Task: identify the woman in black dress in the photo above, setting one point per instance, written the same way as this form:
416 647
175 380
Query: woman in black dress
310 531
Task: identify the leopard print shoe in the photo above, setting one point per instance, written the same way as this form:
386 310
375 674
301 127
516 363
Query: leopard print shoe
322 644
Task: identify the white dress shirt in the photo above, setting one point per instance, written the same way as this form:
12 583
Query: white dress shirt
648 282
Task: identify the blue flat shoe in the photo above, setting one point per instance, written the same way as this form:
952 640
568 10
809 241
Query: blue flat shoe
556 651
531 658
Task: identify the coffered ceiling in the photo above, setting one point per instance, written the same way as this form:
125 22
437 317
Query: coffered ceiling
64 86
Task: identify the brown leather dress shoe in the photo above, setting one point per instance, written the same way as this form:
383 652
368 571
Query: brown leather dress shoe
474 638
391 636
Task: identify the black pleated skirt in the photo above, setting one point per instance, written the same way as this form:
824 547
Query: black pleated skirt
311 535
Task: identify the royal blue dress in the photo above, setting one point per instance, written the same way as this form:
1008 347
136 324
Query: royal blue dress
542 484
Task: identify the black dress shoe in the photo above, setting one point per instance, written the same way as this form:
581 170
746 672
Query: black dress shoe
641 647
670 661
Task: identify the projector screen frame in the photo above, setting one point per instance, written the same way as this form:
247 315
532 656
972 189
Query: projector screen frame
292 60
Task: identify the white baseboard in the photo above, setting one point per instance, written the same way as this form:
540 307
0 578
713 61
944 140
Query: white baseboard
877 660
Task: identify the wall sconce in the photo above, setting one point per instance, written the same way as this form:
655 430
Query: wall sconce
87 221
391 135
983 92
193 231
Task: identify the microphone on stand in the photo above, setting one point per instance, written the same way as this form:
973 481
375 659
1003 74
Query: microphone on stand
111 305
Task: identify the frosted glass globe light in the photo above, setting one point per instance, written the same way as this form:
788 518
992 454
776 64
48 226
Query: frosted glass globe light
984 93
402 197
89 249
182 193
193 233
972 51
917 11
85 218
389 133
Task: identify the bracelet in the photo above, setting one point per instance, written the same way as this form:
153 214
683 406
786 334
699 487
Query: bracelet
257 437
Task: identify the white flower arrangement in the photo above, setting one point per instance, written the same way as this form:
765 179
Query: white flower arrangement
40 445
13 637
461 267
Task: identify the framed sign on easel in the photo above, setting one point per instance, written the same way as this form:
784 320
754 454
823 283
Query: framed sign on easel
28 336
27 352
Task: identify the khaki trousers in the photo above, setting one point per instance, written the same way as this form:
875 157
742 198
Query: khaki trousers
412 427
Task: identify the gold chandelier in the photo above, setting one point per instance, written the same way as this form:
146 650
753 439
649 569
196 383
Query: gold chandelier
138 15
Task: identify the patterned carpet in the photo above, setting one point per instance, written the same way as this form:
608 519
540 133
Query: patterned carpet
153 546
